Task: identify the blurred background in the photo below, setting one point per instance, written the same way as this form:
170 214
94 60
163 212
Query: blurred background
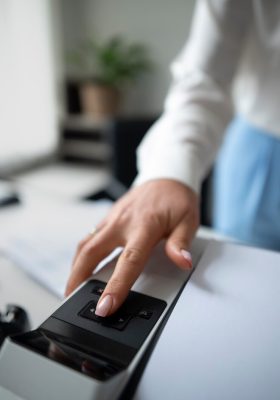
81 82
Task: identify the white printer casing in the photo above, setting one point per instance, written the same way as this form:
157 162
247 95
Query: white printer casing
32 375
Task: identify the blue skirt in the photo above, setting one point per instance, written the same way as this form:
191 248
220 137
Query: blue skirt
247 186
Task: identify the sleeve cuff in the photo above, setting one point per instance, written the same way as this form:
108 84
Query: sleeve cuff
185 168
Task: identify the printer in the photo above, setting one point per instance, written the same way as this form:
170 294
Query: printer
75 354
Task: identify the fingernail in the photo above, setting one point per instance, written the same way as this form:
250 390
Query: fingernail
104 306
187 256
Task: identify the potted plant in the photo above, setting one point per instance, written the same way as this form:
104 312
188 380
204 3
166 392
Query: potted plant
104 69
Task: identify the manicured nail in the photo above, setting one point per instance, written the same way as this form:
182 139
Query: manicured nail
187 256
104 306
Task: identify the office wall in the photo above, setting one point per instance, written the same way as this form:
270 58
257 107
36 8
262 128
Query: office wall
28 117
162 24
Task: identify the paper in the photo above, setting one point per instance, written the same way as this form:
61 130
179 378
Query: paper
222 339
42 240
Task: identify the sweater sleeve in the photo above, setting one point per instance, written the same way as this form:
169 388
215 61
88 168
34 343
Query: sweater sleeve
183 143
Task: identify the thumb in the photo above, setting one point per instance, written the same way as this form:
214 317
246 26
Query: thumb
178 244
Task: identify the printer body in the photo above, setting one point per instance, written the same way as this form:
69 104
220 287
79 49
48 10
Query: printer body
75 354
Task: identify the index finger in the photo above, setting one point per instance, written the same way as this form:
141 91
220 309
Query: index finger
128 268
91 253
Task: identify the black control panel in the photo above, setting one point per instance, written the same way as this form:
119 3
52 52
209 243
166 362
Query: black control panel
122 317
129 326
118 321
99 347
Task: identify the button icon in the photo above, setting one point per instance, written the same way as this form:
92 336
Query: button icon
98 290
146 314
89 312
118 322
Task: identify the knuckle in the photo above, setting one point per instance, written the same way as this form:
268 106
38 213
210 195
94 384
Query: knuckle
88 249
179 242
193 216
115 284
81 244
123 216
132 255
196 218
151 220
151 217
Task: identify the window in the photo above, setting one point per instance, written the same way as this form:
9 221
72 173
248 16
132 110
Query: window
28 120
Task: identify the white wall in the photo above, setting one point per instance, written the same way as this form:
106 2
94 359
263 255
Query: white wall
162 24
28 123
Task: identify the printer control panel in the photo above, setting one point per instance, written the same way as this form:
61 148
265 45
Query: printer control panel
129 326
98 347
122 317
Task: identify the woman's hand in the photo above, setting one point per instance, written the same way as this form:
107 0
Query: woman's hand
161 208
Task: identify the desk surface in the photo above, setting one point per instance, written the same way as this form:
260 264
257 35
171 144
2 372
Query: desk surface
16 287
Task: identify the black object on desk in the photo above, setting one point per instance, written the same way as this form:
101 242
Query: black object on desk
8 195
13 320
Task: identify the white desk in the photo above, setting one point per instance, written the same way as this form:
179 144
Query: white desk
16 287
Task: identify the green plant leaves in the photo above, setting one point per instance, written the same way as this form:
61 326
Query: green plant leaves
112 63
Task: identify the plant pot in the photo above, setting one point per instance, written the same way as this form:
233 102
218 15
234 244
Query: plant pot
99 101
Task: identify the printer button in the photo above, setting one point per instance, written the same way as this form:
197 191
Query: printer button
118 322
146 314
98 290
89 312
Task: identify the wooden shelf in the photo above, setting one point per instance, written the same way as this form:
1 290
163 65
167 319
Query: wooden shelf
80 122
